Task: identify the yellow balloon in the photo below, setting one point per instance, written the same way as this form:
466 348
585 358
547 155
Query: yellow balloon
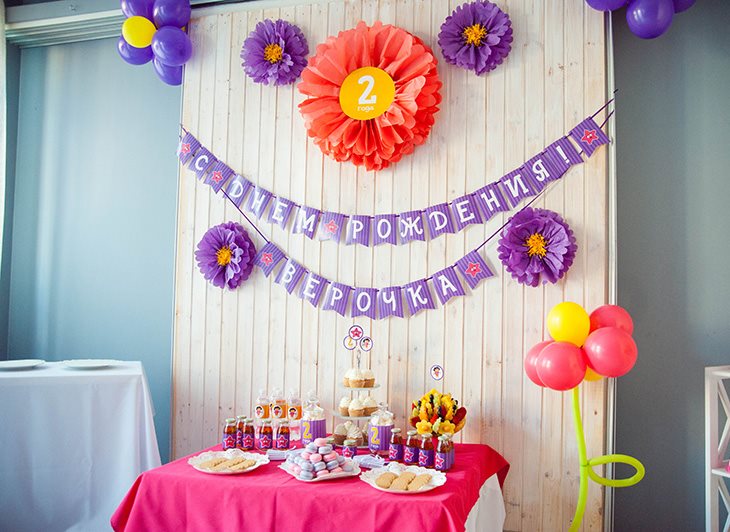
592 375
138 31
569 322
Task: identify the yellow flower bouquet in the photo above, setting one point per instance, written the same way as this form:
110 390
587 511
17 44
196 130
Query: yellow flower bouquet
437 414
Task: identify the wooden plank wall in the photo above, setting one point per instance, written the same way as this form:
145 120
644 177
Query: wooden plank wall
230 344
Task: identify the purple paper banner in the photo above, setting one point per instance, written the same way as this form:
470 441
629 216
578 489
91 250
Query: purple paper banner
268 257
289 275
447 285
336 298
466 211
201 162
418 296
187 147
312 288
491 201
536 173
589 136
563 155
358 230
280 211
410 226
390 302
258 200
305 221
385 229
438 220
516 187
218 175
237 189
473 268
330 226
364 302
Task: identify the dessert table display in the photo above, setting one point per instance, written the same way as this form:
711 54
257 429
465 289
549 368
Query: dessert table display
177 497
74 435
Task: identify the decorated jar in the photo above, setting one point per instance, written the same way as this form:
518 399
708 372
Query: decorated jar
379 431
314 424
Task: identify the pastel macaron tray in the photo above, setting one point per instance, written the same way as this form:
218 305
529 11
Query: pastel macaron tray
318 461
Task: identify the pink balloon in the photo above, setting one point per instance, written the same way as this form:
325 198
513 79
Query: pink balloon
561 366
531 362
610 351
612 316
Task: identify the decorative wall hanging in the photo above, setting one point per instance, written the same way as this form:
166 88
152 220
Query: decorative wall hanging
537 245
476 36
372 93
647 19
226 255
163 41
275 52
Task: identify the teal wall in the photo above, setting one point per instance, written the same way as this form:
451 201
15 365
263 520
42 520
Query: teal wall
93 233
673 148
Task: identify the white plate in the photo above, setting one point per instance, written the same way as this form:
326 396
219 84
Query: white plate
438 478
89 363
332 476
359 388
352 417
27 363
261 459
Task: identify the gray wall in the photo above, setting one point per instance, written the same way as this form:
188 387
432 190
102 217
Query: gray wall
673 141
93 230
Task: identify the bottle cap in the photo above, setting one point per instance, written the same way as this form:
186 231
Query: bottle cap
230 420
412 432
349 443
241 418
395 431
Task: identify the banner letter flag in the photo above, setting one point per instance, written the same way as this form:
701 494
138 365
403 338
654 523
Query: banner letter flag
410 226
537 173
438 220
336 298
473 268
187 148
385 229
390 302
418 296
330 226
563 155
258 200
268 257
490 201
466 212
515 187
201 162
237 189
306 221
364 302
447 285
312 288
280 211
358 230
589 136
289 275
218 175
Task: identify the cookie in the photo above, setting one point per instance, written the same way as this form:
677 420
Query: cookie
401 483
210 464
243 465
385 480
227 464
418 482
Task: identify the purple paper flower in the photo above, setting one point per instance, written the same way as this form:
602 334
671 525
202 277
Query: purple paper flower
537 244
275 52
476 36
225 255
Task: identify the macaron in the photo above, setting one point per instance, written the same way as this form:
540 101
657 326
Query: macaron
314 458
330 456
306 455
319 466
307 466
312 447
322 473
347 466
306 475
341 459
296 469
337 470
325 449
320 442
331 464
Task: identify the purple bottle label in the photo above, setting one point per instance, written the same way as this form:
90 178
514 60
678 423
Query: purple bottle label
229 441
282 441
425 458
410 455
264 441
247 441
313 429
395 452
441 461
349 452
379 438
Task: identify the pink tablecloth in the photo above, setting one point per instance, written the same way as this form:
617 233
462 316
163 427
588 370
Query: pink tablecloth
177 497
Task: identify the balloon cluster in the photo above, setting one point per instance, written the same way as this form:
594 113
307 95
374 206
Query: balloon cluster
582 347
153 31
647 19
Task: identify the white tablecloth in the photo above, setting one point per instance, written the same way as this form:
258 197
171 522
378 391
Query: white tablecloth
71 444
488 514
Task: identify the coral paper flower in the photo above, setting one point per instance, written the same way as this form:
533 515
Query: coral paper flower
537 245
275 52
476 36
225 255
377 142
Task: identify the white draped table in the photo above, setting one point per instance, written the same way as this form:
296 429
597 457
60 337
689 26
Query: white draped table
71 444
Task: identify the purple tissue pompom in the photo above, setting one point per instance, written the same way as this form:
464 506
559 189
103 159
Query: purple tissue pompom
225 255
476 36
275 52
537 245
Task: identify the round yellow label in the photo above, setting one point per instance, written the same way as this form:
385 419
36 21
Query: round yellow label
367 93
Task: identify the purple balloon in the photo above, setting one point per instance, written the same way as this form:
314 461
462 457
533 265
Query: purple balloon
172 46
682 5
649 19
137 8
171 13
132 55
172 75
606 5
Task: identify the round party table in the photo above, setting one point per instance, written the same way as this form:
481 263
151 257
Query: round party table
177 497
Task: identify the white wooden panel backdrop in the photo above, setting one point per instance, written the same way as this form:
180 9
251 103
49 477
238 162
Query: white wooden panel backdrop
230 344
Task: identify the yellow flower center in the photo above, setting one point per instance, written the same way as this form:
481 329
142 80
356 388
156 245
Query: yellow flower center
536 245
474 34
273 53
223 256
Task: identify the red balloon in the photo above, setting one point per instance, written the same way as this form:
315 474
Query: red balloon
561 366
612 316
610 351
531 362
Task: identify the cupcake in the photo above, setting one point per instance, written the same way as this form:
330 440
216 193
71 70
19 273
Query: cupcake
348 374
340 432
357 378
369 405
369 377
344 406
354 433
356 408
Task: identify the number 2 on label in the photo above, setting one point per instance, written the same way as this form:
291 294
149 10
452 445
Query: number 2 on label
375 438
366 98
306 434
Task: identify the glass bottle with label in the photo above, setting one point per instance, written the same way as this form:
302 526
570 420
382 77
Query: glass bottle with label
265 439
411 448
277 404
282 436
425 453
229 434
262 406
294 413
395 451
